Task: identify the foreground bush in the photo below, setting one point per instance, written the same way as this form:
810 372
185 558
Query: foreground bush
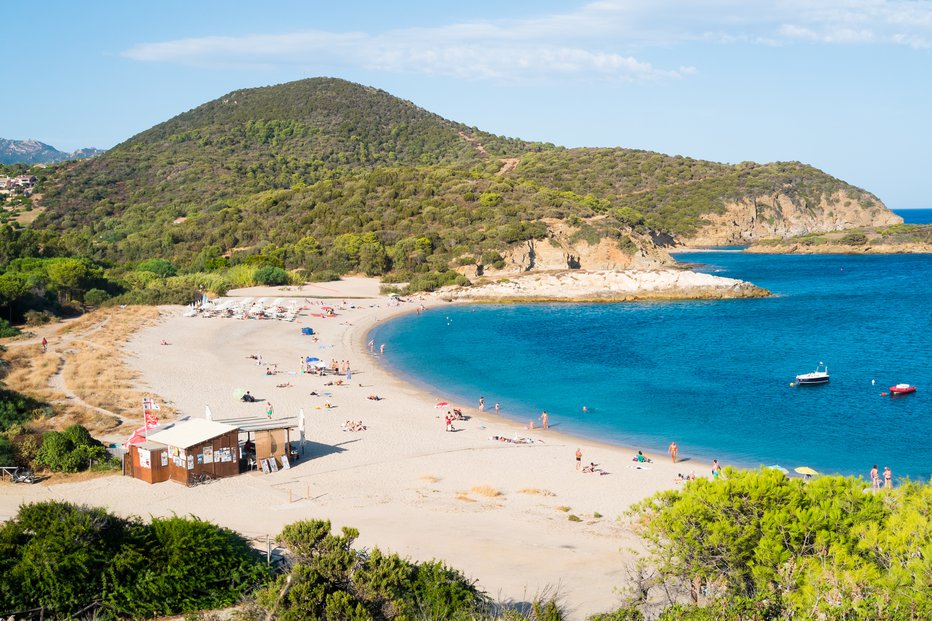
66 558
328 579
789 549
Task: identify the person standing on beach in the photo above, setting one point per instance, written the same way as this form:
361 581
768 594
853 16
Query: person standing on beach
875 478
543 420
382 349
674 450
578 459
269 410
482 404
372 346
716 468
449 422
45 345
498 408
887 478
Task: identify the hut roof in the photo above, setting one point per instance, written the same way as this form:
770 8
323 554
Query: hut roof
191 432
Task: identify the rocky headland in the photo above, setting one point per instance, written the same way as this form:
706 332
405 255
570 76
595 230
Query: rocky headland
605 286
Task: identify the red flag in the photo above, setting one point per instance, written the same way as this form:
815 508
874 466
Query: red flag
151 420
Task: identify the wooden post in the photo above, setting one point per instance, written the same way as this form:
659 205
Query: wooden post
268 550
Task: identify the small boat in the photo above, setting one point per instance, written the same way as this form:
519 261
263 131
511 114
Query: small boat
901 389
819 376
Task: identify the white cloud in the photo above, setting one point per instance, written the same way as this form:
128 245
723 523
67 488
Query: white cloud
595 40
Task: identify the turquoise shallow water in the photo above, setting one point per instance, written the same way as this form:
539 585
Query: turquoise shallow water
712 375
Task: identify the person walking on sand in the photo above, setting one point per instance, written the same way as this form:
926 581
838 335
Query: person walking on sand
875 478
674 450
269 410
482 404
544 418
578 459
449 423
45 345
887 478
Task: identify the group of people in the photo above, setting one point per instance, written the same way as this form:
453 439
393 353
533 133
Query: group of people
353 425
887 478
680 477
371 346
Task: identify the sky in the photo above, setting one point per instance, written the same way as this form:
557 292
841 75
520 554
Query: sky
844 85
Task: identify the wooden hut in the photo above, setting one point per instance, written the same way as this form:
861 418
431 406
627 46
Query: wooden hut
187 452
147 462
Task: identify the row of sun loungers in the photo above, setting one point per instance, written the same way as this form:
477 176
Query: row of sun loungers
246 308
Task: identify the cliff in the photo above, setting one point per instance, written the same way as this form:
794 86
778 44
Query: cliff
752 219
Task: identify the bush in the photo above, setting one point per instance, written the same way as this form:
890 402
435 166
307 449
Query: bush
96 297
70 450
6 329
16 408
160 267
271 276
38 318
330 580
63 557
855 238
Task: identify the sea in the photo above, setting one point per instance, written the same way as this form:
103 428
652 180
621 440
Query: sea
715 376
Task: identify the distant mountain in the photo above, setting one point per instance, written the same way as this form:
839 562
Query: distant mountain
35 152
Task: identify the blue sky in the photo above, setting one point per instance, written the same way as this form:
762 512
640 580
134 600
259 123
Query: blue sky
845 85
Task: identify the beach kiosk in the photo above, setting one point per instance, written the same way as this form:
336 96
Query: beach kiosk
187 452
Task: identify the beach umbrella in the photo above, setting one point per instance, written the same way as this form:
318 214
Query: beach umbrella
778 468
441 404
806 470
311 359
238 393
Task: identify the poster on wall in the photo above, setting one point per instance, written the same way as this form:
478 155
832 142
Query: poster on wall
145 458
208 454
200 459
190 462
164 457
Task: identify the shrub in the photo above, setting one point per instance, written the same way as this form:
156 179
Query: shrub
157 266
271 276
70 450
855 238
38 318
96 297
16 408
7 329
64 557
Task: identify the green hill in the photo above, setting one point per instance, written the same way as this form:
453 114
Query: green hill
274 171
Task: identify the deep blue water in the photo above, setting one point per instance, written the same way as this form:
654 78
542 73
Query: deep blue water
712 375
915 216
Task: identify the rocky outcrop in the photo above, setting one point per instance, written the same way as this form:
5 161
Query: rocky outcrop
605 286
800 248
562 250
752 219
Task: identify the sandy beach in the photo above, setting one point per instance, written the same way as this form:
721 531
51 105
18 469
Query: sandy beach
497 511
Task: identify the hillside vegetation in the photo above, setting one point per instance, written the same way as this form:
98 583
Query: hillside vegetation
323 177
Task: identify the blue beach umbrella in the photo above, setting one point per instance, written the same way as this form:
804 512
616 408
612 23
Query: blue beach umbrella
311 359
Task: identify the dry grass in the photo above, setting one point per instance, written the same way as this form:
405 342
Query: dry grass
533 491
465 498
99 389
564 508
429 478
486 490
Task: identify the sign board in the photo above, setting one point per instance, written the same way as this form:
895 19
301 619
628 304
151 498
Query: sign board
265 466
145 458
285 464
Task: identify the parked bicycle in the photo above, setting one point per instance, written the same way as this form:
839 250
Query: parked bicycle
200 478
23 475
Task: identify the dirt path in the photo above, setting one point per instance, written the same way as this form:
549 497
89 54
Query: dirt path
82 375
508 165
